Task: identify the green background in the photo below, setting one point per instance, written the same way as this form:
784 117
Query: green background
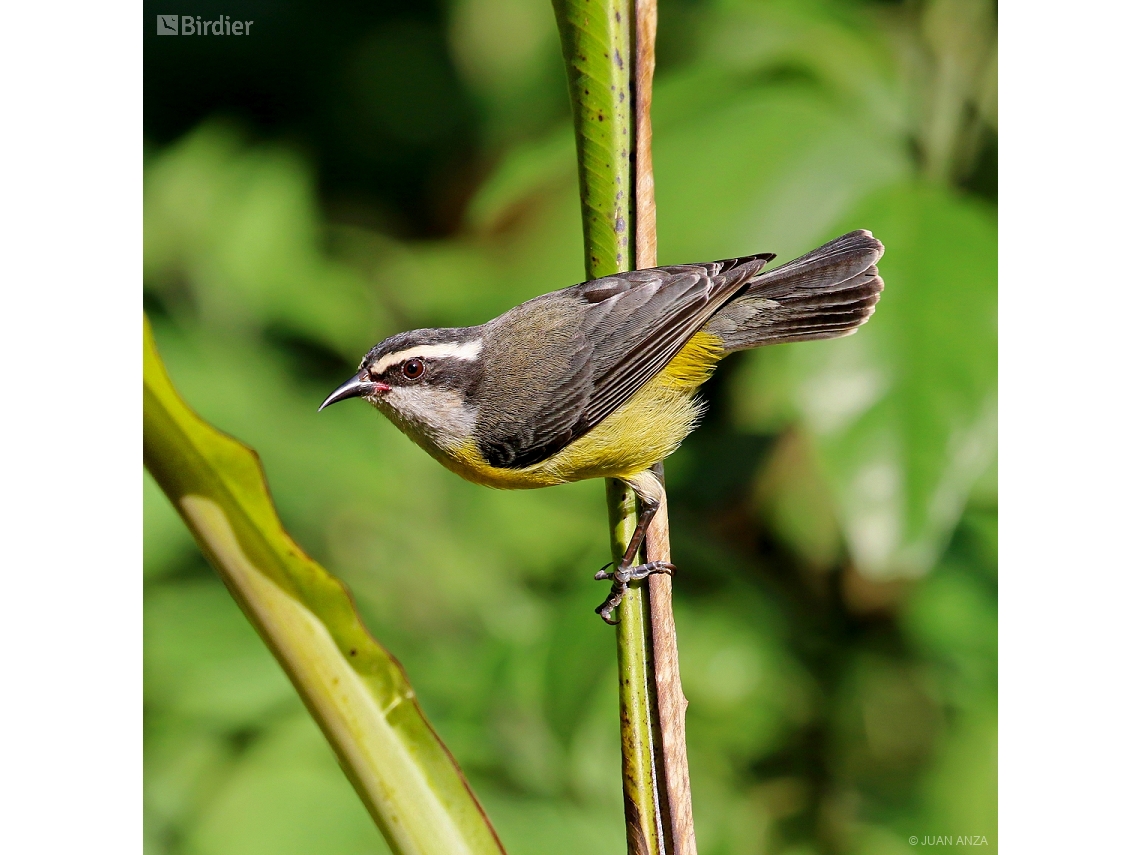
348 173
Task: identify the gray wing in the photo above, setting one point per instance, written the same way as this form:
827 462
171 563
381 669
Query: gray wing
558 365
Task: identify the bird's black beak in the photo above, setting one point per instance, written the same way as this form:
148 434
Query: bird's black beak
356 386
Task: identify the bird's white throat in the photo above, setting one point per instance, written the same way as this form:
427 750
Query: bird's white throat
440 416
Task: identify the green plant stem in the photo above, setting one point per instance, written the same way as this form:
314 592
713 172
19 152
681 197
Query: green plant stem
645 828
354 689
598 46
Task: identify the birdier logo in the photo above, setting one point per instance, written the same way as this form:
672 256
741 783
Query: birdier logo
193 25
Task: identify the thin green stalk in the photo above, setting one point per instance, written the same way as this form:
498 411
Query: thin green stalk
645 829
354 689
597 45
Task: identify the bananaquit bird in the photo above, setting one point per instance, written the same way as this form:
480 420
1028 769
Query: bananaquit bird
597 380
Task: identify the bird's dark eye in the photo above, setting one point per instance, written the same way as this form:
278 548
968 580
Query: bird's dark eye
414 369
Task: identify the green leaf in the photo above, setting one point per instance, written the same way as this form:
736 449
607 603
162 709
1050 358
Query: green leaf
769 169
831 44
903 415
355 689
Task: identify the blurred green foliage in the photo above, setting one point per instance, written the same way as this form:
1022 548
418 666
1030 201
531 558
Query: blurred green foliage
835 519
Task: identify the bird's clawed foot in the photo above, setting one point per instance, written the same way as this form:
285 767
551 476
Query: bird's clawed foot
621 577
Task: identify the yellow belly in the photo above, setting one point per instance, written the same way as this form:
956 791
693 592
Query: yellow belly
647 428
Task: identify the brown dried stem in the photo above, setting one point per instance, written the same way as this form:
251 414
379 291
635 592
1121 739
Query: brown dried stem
671 701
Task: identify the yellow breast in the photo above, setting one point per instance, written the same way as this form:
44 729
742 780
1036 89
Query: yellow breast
647 428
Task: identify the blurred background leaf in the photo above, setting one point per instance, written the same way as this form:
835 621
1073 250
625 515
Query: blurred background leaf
353 171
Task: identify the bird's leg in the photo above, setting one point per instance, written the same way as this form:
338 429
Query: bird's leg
625 572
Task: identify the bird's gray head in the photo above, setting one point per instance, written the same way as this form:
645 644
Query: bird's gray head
422 380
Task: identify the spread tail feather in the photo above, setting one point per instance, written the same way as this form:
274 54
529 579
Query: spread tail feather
827 293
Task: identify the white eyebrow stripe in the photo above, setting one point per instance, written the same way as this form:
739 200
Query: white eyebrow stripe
467 350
